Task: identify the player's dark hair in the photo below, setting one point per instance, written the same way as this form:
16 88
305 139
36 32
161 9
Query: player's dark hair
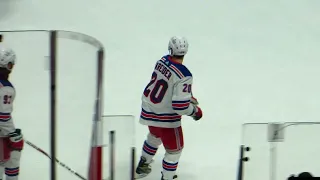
4 73
178 57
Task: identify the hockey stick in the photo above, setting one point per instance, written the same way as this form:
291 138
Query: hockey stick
60 163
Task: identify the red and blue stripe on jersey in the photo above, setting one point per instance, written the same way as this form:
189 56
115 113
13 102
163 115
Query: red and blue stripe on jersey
180 105
4 117
163 117
179 69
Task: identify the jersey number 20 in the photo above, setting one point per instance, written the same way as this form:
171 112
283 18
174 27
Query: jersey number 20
159 90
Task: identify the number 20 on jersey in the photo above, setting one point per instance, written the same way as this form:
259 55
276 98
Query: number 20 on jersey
160 88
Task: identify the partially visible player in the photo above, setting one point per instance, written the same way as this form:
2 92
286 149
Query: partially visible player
166 98
11 140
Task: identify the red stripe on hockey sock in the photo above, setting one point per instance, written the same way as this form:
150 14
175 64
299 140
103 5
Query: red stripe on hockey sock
147 149
169 166
12 171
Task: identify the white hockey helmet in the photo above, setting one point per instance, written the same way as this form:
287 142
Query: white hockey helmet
178 46
7 58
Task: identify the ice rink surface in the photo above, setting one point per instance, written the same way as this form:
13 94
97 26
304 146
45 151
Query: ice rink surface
252 61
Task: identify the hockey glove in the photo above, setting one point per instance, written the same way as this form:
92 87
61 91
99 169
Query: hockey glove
194 101
16 140
197 114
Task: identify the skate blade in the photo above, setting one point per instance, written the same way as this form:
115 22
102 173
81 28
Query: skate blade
139 176
174 178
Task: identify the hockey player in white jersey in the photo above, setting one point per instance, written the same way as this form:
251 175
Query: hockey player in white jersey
11 140
165 99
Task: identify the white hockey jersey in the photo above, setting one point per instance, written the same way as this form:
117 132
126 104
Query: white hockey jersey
7 95
167 96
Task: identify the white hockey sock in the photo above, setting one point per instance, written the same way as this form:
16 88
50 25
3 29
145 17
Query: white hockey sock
12 173
150 147
12 166
170 164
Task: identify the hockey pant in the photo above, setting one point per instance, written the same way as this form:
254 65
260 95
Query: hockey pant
172 140
10 161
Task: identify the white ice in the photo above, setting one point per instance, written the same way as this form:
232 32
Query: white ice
252 61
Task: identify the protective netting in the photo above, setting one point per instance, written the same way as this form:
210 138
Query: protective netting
76 95
298 152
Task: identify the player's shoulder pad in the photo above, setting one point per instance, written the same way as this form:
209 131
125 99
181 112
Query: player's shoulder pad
179 69
5 83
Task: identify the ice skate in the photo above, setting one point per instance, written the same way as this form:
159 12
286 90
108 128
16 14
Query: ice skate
143 168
